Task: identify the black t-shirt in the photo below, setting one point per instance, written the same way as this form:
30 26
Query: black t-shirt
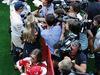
93 9
34 45
80 58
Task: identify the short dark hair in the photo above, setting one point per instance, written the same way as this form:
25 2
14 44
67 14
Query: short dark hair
59 11
49 1
73 25
76 6
97 18
50 19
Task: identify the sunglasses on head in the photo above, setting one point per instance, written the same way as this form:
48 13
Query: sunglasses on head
32 58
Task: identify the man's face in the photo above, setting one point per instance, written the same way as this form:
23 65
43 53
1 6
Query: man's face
71 9
45 2
73 50
95 23
67 26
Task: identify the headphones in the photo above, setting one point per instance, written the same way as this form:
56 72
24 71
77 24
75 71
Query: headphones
79 44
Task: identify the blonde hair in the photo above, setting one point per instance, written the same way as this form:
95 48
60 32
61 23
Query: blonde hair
65 63
29 30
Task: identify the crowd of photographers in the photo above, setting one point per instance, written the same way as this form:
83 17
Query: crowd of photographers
70 30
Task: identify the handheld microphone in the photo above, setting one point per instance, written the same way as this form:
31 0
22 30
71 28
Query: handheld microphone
40 6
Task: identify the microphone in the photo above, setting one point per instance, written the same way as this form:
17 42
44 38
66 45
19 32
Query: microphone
40 6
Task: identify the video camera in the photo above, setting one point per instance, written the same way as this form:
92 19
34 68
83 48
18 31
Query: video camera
84 25
83 4
61 4
65 17
63 46
65 43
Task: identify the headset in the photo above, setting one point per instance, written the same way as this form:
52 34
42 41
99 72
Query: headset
79 44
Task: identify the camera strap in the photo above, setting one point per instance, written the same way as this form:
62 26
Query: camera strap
46 11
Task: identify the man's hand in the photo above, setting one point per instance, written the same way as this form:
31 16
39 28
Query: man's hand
73 63
35 13
55 51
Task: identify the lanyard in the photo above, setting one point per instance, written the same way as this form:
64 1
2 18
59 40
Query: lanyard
46 12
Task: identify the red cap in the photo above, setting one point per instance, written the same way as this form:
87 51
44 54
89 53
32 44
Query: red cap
36 70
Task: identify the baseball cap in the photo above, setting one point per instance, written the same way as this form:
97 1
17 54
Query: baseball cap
36 70
18 5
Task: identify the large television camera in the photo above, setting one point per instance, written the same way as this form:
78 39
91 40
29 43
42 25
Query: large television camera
63 46
61 4
65 43
83 4
83 24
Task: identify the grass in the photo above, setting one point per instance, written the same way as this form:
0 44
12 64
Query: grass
6 60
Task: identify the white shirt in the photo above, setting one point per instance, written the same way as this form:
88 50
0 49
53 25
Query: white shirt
12 6
79 16
16 24
97 39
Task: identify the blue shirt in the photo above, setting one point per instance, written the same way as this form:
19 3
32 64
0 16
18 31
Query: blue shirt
83 40
51 36
46 10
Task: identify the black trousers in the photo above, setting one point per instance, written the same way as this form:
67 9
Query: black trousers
16 54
